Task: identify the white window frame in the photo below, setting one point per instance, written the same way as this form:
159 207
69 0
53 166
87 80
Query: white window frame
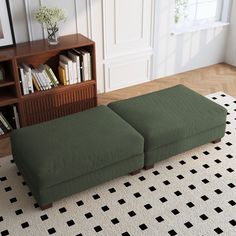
222 19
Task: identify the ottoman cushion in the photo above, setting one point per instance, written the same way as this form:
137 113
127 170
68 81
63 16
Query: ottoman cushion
60 150
170 115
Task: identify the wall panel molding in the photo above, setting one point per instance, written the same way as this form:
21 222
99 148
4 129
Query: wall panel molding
128 26
34 31
127 72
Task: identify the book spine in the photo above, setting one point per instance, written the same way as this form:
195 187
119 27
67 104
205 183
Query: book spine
74 72
62 75
1 131
49 74
16 117
35 83
28 73
78 70
53 75
89 67
3 127
23 82
41 85
30 83
47 79
65 66
5 122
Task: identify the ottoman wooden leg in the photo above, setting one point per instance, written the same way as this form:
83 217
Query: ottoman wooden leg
135 172
216 141
148 167
49 205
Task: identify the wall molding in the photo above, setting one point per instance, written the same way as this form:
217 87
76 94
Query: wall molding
30 19
89 18
142 38
141 63
76 15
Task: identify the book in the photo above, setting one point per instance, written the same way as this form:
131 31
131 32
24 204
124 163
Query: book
81 58
44 76
51 81
62 75
65 67
37 78
16 117
1 131
69 63
85 64
5 122
23 81
76 58
3 128
86 59
28 77
51 74
35 83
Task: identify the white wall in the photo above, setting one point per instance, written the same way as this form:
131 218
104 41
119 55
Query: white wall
178 53
230 56
133 38
128 28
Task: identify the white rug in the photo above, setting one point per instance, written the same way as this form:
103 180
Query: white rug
189 194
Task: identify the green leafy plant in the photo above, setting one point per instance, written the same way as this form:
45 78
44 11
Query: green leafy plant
49 18
180 10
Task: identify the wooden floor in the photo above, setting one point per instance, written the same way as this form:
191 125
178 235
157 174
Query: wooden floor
220 77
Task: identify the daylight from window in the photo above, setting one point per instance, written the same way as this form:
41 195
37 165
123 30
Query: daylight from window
196 12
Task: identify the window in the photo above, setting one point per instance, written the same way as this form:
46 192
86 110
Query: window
197 12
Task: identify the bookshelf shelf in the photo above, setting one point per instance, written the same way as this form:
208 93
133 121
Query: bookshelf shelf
5 83
7 99
4 135
60 88
48 104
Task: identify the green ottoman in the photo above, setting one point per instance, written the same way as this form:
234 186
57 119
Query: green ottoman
172 121
70 154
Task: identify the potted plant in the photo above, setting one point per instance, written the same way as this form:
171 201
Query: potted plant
49 18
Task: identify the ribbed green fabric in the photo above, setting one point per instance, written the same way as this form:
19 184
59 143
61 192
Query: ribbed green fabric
170 115
63 149
183 145
48 195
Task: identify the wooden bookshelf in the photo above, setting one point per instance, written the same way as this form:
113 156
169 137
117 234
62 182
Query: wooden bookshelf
45 105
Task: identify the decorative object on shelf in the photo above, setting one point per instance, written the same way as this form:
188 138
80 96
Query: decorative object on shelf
6 29
49 18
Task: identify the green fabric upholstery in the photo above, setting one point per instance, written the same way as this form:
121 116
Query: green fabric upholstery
61 150
183 145
170 115
69 187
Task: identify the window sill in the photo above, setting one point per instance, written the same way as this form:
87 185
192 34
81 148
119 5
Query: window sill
190 29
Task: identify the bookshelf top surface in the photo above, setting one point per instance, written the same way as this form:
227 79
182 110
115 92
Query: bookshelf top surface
42 46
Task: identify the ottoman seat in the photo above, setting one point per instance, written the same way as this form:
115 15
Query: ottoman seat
69 154
172 120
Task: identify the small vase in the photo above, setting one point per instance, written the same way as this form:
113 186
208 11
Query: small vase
53 35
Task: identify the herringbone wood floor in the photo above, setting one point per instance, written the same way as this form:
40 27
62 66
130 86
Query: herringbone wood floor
220 77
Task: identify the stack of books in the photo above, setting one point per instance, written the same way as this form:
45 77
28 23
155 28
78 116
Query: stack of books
75 67
42 78
5 127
